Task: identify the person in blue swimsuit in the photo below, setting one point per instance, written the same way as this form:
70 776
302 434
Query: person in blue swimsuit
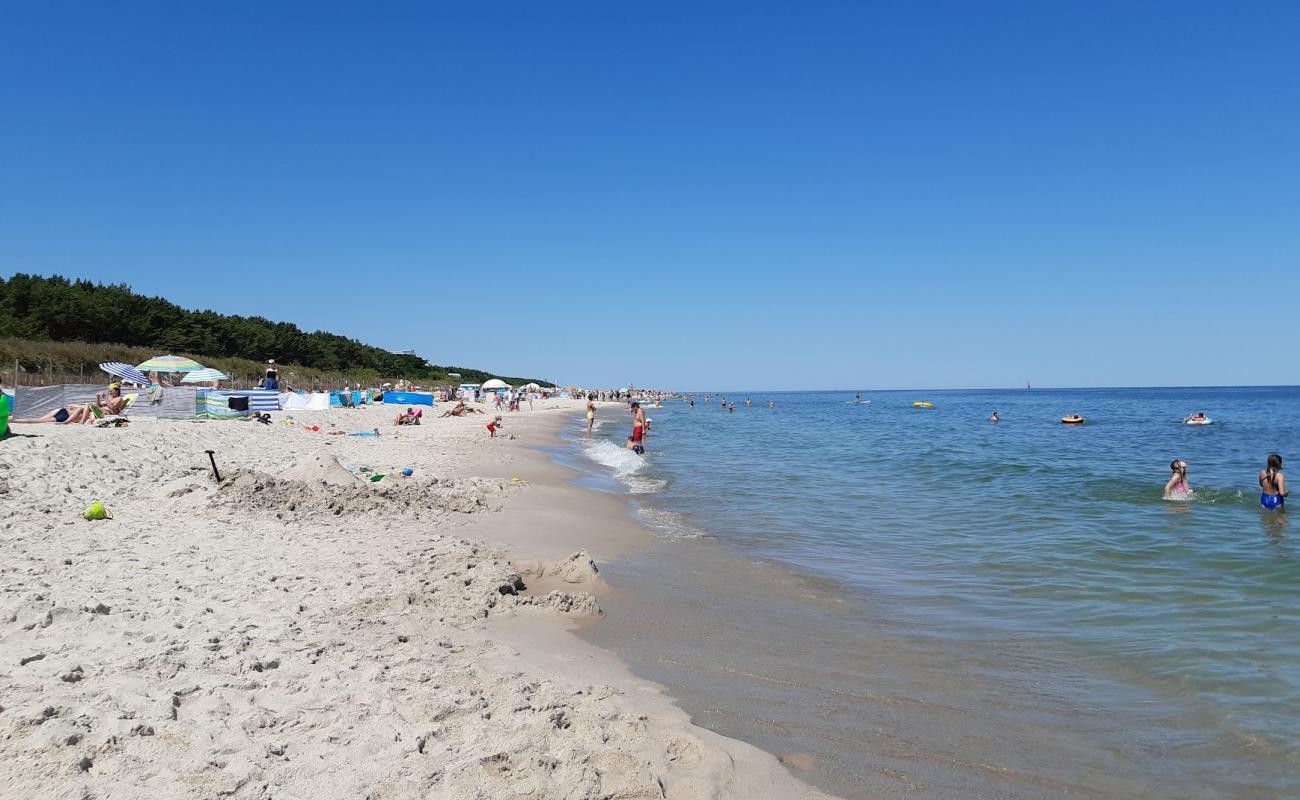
1272 484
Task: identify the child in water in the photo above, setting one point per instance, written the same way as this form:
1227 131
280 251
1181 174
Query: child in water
1272 484
1177 488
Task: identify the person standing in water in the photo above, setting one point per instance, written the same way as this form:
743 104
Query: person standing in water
1177 488
638 428
1272 484
995 417
591 414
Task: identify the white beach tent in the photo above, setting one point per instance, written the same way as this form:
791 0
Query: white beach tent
495 385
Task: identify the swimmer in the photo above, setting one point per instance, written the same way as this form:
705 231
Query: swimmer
771 404
1198 417
1272 484
1177 488
995 417
857 398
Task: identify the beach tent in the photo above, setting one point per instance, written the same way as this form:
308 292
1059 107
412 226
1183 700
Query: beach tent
169 364
495 385
125 371
205 375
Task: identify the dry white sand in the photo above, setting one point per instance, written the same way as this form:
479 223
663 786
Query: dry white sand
300 632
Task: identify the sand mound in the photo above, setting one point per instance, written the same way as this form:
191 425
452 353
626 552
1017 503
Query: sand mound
578 568
320 468
293 499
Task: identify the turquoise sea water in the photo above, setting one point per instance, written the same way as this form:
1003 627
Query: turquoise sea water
1053 537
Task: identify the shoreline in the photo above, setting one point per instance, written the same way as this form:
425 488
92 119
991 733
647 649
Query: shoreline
897 708
294 633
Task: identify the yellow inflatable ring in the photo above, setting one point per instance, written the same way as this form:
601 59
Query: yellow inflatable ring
923 405
1073 420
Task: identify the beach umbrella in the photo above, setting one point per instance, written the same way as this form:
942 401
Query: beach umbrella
204 375
169 364
124 371
495 383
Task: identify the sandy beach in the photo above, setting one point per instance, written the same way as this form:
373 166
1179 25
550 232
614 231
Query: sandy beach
299 631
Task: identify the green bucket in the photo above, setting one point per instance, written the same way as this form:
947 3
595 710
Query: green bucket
4 415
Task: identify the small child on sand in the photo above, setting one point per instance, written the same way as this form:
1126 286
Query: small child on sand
493 425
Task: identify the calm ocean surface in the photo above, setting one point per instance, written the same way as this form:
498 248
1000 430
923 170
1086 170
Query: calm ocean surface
1051 536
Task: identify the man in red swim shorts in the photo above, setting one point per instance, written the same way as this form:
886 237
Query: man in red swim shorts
638 427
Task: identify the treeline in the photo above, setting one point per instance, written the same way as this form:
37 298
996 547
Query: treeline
56 309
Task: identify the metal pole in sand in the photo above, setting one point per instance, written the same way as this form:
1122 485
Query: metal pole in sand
213 458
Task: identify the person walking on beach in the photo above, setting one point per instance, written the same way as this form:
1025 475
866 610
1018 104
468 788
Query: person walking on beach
1176 488
1272 484
591 414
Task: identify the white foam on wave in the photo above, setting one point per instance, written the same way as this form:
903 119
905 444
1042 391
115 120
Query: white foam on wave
623 461
668 524
626 464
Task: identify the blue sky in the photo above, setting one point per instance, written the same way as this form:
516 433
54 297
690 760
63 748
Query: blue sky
690 195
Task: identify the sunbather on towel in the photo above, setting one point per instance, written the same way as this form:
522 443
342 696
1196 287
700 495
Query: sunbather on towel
461 410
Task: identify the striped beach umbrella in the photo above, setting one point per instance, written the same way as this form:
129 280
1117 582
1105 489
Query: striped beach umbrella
204 375
169 364
124 371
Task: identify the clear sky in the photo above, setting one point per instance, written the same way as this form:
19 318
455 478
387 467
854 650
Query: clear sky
690 195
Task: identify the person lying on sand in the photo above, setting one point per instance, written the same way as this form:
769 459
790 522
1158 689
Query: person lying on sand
460 410
72 415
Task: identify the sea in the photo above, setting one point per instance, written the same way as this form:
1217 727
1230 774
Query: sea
908 602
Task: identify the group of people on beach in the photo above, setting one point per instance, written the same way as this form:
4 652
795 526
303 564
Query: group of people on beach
640 422
107 404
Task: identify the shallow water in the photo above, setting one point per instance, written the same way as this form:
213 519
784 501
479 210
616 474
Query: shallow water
1037 561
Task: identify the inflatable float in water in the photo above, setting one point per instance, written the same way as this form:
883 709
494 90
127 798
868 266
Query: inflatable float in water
923 405
1073 419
